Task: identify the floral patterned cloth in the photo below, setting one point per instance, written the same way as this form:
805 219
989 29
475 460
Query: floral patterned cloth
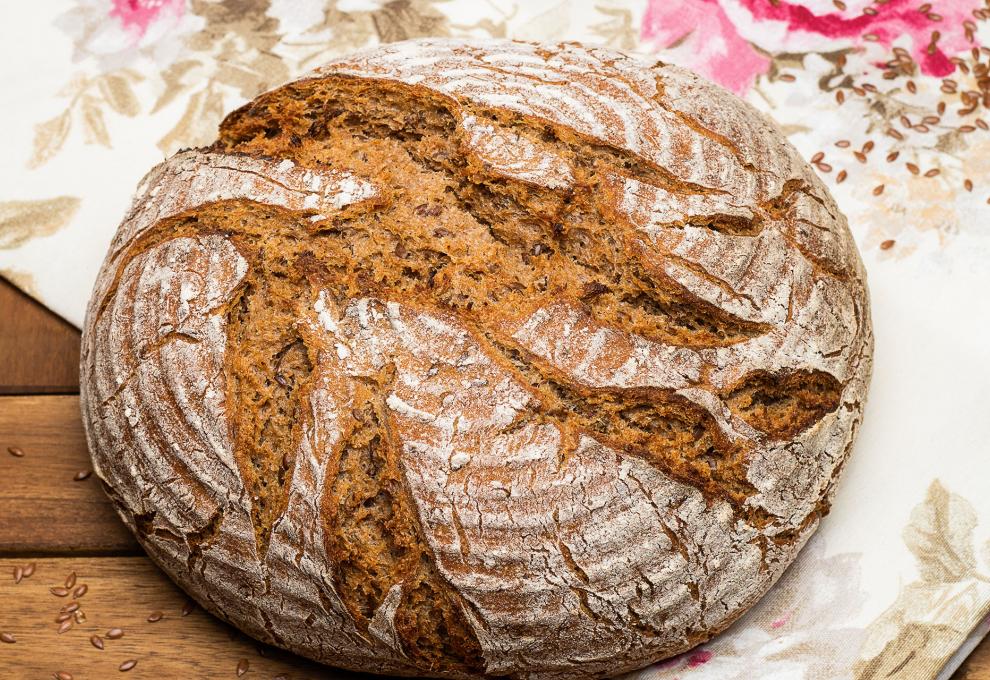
888 99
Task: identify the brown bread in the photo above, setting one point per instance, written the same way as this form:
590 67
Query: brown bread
479 359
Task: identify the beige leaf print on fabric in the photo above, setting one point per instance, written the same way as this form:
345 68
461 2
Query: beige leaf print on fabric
95 126
23 280
88 97
617 30
49 138
21 221
931 617
232 51
405 19
172 77
118 93
198 124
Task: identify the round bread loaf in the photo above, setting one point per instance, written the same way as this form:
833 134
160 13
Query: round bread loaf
472 359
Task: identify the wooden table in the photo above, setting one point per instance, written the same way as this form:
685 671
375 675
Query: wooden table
66 527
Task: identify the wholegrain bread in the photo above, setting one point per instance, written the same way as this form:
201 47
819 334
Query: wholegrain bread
479 359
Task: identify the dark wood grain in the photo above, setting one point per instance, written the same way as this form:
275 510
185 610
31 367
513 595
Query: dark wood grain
39 352
44 510
977 665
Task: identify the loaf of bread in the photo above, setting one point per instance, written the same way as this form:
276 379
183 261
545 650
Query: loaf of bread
475 359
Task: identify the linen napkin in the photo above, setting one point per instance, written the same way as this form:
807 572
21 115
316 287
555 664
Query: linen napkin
888 99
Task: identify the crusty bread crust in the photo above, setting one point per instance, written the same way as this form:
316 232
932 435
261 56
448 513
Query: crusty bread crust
479 359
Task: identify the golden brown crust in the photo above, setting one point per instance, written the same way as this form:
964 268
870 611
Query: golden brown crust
480 359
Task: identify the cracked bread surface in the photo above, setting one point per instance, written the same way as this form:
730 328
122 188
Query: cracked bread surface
479 359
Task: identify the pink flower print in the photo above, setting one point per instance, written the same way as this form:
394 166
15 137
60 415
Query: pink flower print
705 39
137 15
699 658
731 41
782 621
884 24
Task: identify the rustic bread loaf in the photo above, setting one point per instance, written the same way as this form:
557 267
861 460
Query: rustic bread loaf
479 359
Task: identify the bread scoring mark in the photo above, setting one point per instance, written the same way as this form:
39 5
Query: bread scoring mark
268 369
578 229
193 178
608 99
783 405
671 432
513 155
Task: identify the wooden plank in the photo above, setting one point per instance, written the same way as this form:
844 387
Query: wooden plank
122 593
39 352
44 510
977 665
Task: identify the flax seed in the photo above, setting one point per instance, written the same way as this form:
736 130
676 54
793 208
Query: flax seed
934 172
868 147
242 667
115 634
82 475
80 590
70 580
786 77
8 638
155 617
878 189
892 156
841 177
824 167
842 143
29 570
127 665
18 574
187 608
817 157
59 591
96 641
968 184
71 607
912 168
887 245
15 451
860 156
840 96
64 627
895 134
